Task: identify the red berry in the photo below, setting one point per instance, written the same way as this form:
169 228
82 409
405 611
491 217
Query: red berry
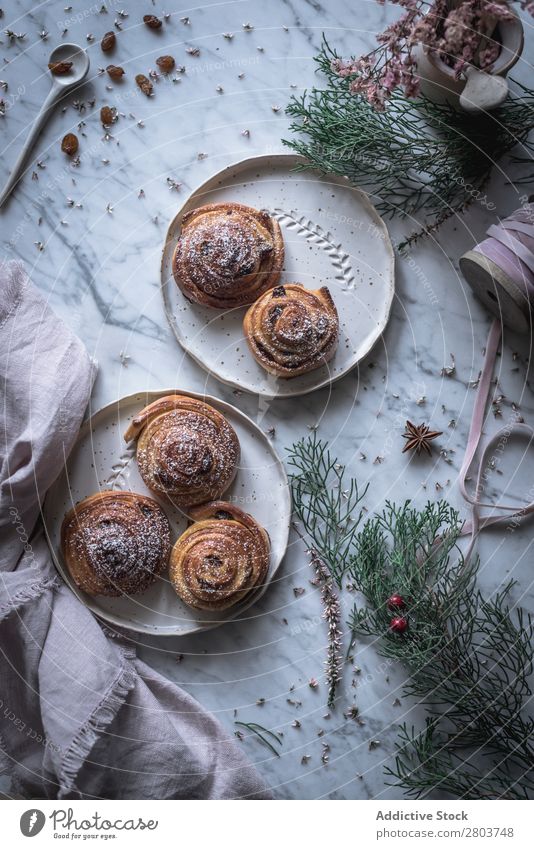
399 624
396 602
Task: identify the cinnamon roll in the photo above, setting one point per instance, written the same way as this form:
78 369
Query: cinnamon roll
227 254
115 543
186 449
220 558
291 330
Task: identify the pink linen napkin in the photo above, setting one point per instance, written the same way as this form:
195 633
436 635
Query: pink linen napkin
83 717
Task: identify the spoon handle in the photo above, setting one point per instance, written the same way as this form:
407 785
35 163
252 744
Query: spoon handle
483 91
29 142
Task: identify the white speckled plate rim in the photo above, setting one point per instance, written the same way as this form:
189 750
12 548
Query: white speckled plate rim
97 420
289 388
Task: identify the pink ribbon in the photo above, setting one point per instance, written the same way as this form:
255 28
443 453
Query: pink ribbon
511 246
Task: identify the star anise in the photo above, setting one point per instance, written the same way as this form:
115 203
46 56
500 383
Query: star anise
419 438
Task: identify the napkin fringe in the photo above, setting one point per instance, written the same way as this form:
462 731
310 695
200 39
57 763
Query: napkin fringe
30 592
89 734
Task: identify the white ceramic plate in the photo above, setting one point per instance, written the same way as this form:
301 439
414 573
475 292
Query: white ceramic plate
333 236
101 460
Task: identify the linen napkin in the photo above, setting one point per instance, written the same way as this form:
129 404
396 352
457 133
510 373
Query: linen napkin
80 715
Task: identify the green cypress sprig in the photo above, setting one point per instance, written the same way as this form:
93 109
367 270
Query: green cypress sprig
416 158
328 511
469 658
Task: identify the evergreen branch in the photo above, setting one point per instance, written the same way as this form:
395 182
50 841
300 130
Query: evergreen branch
329 514
416 157
469 658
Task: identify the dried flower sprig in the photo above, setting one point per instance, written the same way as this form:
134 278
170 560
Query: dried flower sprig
461 34
332 615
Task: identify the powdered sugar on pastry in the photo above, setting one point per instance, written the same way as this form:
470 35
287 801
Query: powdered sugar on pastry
227 254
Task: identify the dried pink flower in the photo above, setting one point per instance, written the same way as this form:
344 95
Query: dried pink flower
461 35
332 615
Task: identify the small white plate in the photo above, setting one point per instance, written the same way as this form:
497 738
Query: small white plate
333 236
101 460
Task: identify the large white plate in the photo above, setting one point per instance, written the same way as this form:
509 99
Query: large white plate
333 236
101 460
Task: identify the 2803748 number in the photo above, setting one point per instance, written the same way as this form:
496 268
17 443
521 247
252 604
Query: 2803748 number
487 831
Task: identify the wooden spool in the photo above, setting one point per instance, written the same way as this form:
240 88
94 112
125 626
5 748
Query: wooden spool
497 291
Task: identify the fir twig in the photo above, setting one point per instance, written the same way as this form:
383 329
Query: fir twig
416 158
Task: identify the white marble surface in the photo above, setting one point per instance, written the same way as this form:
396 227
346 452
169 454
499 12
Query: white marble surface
100 271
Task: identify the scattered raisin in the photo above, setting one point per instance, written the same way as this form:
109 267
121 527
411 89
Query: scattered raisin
115 71
60 68
70 145
108 41
144 84
166 64
107 115
151 21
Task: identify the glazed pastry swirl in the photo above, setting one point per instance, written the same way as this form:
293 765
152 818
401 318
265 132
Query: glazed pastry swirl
186 449
291 330
115 543
227 254
221 558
